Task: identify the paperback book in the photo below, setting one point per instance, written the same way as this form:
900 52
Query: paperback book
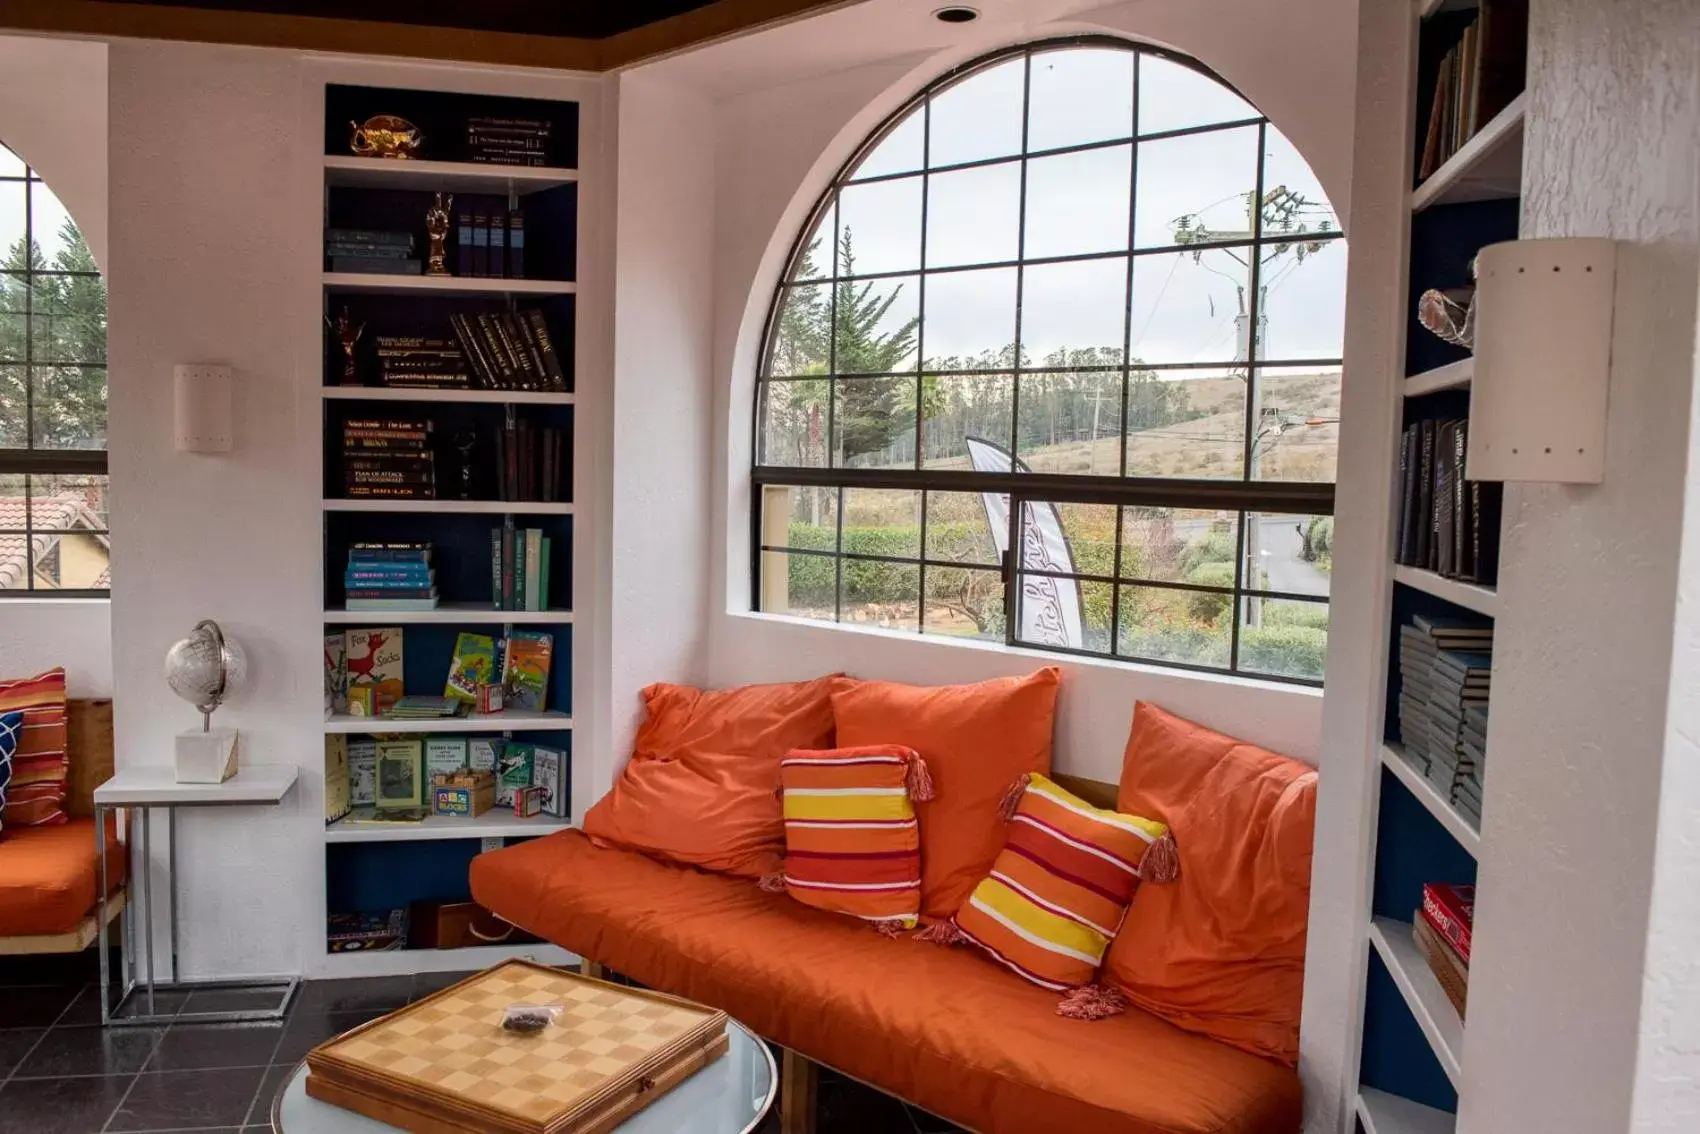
525 669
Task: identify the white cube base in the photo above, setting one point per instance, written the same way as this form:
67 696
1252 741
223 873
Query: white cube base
206 757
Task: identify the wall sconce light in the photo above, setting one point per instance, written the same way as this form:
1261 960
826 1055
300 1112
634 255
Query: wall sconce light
202 403
1543 360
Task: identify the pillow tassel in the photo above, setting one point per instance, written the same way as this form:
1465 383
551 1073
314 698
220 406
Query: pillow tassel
920 780
1012 799
1162 861
891 927
773 882
1091 1002
942 933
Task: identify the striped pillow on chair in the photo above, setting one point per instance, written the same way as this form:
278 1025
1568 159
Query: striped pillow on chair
1057 893
852 845
41 769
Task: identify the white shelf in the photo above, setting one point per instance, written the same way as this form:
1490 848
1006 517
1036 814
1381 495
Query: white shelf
1382 1113
399 961
516 720
450 612
447 176
445 285
1452 376
157 784
1487 167
1440 807
494 824
489 397
1427 1001
1470 596
452 507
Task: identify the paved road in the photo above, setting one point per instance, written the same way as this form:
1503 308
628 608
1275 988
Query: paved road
1279 549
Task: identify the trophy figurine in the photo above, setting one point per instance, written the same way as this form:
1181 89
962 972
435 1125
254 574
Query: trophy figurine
348 335
437 228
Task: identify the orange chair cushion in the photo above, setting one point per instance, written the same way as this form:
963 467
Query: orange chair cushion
977 740
49 876
1222 950
939 1027
700 788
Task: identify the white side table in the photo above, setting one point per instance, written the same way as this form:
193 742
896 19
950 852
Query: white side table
139 790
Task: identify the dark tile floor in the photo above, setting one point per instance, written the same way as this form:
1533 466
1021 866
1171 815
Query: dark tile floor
62 1073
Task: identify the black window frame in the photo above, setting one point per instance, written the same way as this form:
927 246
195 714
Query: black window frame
30 462
1245 497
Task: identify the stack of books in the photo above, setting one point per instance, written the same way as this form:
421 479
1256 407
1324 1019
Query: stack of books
390 576
369 932
490 243
371 250
1477 79
509 350
1442 933
1446 523
1444 681
426 708
531 462
418 361
507 140
519 568
388 458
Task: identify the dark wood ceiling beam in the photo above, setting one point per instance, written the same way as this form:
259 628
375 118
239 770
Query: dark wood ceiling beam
366 37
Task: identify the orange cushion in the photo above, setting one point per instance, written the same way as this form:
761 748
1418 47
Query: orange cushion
41 769
977 740
851 841
1222 950
699 788
49 876
939 1027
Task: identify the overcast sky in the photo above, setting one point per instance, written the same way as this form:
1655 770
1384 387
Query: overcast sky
49 214
1078 203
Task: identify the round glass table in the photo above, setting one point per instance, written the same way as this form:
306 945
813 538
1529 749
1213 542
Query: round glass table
729 1096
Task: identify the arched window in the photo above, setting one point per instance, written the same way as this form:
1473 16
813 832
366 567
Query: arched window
1082 299
53 484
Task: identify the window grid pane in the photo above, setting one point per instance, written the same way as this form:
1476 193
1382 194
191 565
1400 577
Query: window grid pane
1196 386
53 484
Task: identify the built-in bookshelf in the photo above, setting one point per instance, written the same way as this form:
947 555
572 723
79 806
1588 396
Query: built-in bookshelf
1465 169
448 422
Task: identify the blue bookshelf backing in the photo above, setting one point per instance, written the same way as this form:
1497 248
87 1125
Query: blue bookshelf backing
1411 848
1396 1057
1443 242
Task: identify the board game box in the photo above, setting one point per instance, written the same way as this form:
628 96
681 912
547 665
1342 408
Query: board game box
446 1064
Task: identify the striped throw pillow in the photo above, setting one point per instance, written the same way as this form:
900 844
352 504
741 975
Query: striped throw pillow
1057 893
11 729
40 766
852 845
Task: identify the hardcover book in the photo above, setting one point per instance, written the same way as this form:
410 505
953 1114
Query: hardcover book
336 674
1450 910
513 771
548 775
484 753
362 771
336 777
444 756
374 658
525 669
401 780
474 664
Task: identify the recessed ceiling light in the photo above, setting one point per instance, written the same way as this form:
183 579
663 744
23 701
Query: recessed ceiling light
957 14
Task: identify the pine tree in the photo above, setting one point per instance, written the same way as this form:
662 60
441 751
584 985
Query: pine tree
871 412
60 325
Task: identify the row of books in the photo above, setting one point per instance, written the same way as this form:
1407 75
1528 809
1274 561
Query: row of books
519 568
508 140
531 462
1441 929
373 659
388 457
371 779
509 350
1477 79
390 576
422 361
378 251
1445 679
1446 522
490 245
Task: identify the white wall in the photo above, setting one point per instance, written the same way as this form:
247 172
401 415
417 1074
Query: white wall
1589 587
790 106
53 115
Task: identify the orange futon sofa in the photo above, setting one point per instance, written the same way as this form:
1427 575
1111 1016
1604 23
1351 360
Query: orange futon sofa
939 1027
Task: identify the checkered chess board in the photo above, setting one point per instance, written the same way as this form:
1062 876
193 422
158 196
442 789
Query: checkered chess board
454 1043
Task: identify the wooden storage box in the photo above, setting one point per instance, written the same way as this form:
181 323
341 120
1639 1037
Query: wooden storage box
443 1065
466 794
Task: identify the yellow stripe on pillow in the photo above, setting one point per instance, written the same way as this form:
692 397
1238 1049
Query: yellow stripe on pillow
874 803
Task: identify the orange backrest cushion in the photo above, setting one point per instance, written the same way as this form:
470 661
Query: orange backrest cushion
700 788
977 740
1221 951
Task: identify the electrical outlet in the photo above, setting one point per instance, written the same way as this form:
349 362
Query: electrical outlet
490 843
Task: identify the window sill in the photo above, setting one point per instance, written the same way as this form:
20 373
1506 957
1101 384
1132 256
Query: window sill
45 602
1224 681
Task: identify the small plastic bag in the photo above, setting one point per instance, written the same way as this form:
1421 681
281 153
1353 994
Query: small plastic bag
529 1019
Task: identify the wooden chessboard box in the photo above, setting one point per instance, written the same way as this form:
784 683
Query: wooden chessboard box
444 1065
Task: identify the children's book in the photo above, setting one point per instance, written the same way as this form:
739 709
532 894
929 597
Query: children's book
474 665
374 658
525 669
548 772
513 772
362 771
336 674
